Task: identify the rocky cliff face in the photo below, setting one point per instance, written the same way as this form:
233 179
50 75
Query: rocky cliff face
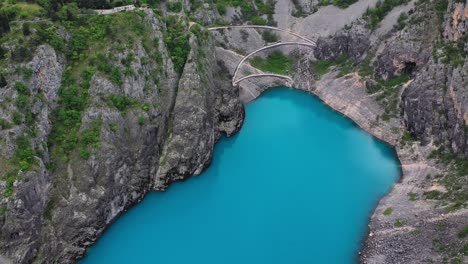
435 104
165 133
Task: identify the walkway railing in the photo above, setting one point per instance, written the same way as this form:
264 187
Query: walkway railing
263 75
265 27
310 43
264 48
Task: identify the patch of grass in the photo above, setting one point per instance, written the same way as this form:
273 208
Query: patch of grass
141 120
338 3
382 8
17 118
113 127
401 22
451 53
176 39
25 72
5 124
398 223
121 102
433 195
251 10
174 7
3 210
454 180
441 7
269 37
24 154
464 250
395 81
323 66
408 137
21 10
276 62
464 232
412 196
388 211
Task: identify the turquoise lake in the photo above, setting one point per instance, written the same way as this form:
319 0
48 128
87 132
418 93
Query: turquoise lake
296 185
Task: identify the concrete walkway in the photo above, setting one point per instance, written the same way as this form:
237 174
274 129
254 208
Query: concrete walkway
116 10
264 75
265 27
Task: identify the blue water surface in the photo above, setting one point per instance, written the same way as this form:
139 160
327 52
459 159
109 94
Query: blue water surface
296 185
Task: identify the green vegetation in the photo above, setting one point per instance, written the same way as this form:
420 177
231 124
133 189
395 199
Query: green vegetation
176 39
433 195
24 154
376 14
398 223
17 118
22 101
440 8
395 81
90 139
388 211
141 120
21 10
3 210
86 51
464 232
25 72
388 97
366 68
5 124
73 101
454 180
174 7
322 67
338 3
276 62
145 107
251 10
269 36
451 53
401 21
343 63
408 137
23 160
113 127
412 196
121 102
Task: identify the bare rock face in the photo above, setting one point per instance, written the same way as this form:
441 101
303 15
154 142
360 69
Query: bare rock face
456 23
20 228
436 104
409 48
350 42
194 127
